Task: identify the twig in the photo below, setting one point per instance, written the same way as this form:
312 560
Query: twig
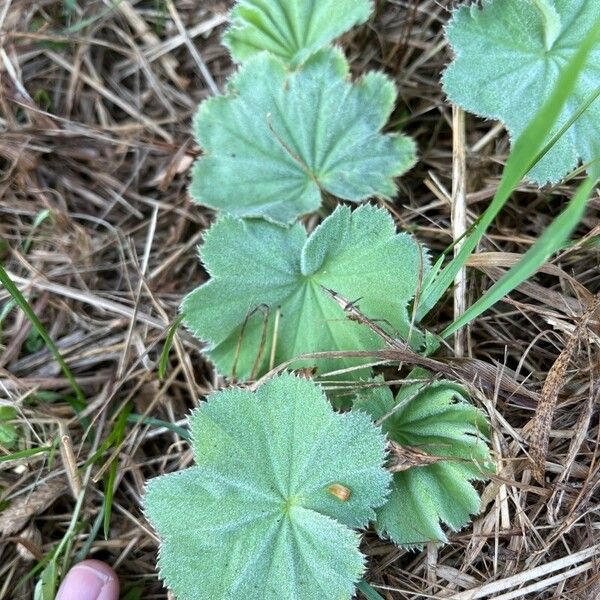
459 220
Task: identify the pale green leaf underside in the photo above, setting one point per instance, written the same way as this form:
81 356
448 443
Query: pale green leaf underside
508 58
254 518
257 266
291 29
278 140
434 418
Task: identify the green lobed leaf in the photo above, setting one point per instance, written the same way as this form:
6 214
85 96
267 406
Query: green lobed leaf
434 418
291 29
262 272
279 140
255 518
526 44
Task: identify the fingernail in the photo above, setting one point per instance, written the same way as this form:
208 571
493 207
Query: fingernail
89 580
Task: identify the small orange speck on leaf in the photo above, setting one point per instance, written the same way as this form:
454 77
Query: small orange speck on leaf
341 492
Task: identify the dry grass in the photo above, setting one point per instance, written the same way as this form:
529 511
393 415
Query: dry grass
95 129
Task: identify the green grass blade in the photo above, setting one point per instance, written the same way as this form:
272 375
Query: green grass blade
70 6
183 433
54 554
25 247
5 311
25 453
22 303
368 592
83 552
584 106
551 240
135 593
163 363
527 150
89 21
117 435
109 492
39 219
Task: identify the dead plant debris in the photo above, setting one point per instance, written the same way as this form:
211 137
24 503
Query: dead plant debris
98 232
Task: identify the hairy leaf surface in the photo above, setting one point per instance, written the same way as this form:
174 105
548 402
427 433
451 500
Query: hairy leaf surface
279 140
266 289
256 518
508 58
291 29
436 419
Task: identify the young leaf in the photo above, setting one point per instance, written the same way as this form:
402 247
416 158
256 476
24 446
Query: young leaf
291 29
265 297
45 587
433 420
279 140
256 517
526 43
8 432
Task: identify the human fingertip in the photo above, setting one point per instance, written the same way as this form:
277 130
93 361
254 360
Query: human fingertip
89 580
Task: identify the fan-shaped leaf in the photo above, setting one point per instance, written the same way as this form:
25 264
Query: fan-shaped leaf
257 516
291 29
278 140
434 419
508 58
265 296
